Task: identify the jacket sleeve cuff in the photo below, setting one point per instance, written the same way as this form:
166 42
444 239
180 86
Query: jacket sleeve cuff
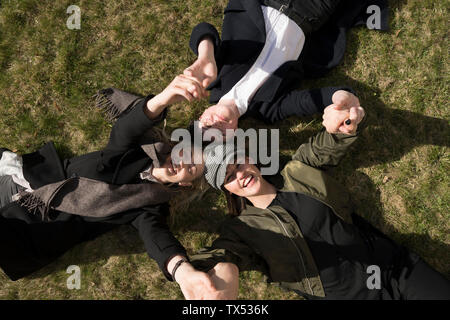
141 112
327 94
202 31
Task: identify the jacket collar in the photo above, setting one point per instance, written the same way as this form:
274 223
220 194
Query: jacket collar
158 152
253 8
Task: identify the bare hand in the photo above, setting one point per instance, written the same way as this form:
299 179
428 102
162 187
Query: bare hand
338 120
181 88
204 70
194 284
344 115
225 276
222 116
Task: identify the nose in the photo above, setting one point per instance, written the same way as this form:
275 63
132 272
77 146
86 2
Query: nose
240 173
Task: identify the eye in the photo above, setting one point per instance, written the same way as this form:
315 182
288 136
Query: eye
231 176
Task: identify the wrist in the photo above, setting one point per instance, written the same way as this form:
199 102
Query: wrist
174 263
231 105
155 107
182 271
234 109
206 49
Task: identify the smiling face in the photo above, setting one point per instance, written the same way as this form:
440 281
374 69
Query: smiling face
243 180
181 173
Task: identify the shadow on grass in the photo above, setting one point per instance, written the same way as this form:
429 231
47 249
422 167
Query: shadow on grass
390 135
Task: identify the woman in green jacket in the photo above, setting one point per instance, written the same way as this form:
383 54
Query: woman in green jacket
303 233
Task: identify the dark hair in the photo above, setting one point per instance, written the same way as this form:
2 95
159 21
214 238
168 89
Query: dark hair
235 204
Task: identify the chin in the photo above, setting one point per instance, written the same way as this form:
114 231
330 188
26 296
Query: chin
253 190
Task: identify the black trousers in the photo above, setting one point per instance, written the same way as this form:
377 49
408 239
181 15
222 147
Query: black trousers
27 244
310 15
403 274
418 281
406 276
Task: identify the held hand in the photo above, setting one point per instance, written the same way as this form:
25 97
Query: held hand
222 116
350 116
194 284
181 88
204 70
345 99
225 276
339 120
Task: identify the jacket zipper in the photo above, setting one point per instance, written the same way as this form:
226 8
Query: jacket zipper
296 248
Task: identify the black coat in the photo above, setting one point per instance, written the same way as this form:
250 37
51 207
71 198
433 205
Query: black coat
243 38
27 244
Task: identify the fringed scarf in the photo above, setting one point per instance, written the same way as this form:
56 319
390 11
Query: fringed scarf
91 198
114 101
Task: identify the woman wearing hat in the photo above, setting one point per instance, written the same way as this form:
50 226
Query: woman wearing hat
303 233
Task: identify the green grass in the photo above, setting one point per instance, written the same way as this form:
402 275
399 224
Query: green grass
397 173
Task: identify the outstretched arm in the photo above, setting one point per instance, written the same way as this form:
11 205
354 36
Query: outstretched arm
204 69
129 128
329 146
205 43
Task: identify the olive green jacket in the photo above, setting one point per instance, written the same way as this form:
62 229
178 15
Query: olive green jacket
269 240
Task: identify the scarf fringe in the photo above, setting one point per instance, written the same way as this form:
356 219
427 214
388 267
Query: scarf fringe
32 204
102 102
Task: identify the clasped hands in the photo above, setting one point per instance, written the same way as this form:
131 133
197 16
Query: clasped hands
344 114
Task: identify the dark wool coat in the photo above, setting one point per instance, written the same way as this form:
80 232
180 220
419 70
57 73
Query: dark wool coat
27 244
243 38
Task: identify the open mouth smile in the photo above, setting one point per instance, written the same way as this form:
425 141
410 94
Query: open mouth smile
248 181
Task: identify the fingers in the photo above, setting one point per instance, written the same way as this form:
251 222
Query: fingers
191 84
200 91
339 103
361 113
188 72
348 127
207 82
345 100
354 115
206 119
183 92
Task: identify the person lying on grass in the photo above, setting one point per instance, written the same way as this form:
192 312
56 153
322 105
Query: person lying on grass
266 49
48 205
302 231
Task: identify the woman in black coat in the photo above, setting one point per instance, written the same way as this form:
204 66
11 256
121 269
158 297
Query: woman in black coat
27 243
252 30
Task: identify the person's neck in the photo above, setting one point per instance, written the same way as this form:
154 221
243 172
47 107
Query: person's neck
265 197
157 176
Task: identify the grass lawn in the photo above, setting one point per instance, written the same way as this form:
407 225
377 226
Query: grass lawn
397 173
